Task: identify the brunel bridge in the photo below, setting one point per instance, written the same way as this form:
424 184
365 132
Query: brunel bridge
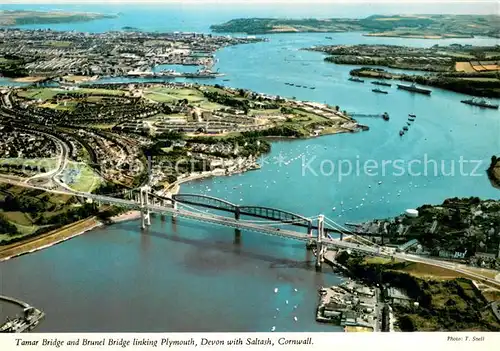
184 205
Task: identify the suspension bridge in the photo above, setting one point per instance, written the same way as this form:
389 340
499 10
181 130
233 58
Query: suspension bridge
266 221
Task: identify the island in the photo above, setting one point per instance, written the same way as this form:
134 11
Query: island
494 171
406 26
20 17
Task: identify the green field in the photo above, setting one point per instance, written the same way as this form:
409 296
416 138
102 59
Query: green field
87 180
40 93
174 95
48 93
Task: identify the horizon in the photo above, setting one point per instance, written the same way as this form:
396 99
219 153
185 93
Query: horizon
374 7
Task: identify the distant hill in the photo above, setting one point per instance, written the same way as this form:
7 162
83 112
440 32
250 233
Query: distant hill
17 18
412 26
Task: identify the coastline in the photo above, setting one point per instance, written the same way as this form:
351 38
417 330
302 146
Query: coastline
59 235
49 239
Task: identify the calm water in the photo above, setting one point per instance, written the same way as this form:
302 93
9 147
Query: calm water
119 279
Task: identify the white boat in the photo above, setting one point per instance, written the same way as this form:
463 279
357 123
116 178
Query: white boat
275 290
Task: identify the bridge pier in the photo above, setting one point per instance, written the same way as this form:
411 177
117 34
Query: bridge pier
237 236
309 229
144 202
319 243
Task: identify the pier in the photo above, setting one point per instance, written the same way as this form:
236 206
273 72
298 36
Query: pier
28 321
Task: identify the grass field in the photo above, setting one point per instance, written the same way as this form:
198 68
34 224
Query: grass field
48 93
422 270
173 95
464 67
86 179
40 93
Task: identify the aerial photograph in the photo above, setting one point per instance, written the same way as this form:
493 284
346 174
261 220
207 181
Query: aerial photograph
249 166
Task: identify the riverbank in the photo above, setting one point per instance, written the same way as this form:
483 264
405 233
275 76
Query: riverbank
47 240
475 84
494 171
423 303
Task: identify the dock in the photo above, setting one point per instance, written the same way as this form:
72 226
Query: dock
20 324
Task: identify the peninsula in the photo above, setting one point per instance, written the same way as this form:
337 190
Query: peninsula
19 17
97 138
437 58
406 26
477 84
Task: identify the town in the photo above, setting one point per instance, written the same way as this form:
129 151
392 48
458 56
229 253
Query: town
40 55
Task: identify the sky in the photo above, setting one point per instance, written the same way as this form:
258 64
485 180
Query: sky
250 1
375 6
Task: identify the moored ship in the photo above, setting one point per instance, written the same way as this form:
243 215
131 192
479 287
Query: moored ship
354 79
413 88
380 91
381 83
480 103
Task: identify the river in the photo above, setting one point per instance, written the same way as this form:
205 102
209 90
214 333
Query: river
187 276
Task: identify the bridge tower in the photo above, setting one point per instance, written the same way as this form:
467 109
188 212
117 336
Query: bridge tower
319 242
144 204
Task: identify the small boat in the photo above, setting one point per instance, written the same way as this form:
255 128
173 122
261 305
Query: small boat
333 209
411 119
312 87
385 116
401 133
380 91
405 129
275 290
273 328
412 115
408 123
354 79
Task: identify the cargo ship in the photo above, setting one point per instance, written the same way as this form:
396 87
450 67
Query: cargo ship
414 88
379 91
381 83
353 79
480 103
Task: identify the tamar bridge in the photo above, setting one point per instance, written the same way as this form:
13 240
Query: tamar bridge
266 221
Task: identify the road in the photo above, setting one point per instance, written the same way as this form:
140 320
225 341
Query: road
269 230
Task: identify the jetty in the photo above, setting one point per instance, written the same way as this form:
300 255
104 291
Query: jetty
28 321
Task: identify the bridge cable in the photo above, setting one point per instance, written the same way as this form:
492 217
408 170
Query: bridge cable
347 231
